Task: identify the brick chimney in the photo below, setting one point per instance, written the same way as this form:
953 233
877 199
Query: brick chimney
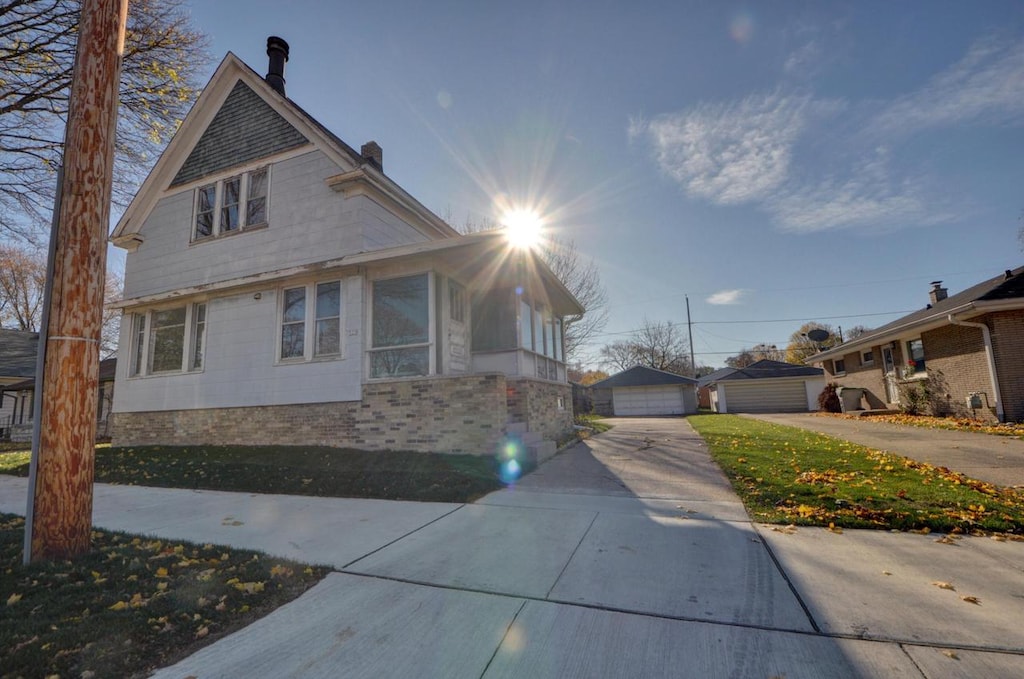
372 152
277 50
937 293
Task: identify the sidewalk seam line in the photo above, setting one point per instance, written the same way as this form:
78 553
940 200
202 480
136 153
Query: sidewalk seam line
913 662
571 556
502 640
400 537
785 576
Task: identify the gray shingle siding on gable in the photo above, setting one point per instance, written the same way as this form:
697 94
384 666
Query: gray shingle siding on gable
245 129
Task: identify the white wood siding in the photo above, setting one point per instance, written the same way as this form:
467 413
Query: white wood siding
240 365
307 222
765 396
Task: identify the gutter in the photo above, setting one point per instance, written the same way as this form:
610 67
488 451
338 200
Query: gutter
987 337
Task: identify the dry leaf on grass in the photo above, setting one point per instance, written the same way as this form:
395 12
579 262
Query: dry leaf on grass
944 585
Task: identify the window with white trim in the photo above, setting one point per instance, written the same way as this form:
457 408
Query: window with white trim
168 340
231 204
867 357
310 331
401 338
840 366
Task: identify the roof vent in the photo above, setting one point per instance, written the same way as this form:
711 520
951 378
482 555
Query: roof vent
937 293
372 152
277 50
1008 275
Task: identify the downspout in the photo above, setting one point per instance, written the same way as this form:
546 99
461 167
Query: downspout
987 338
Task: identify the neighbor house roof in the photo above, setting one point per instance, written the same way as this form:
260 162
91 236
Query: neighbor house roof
18 353
642 376
1005 291
763 369
108 368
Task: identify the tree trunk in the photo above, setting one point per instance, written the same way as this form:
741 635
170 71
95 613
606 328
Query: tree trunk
62 507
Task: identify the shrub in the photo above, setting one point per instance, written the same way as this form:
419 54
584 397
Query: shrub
828 399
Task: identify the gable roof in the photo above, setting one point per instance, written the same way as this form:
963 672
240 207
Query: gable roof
18 349
206 143
763 369
714 376
1005 291
642 376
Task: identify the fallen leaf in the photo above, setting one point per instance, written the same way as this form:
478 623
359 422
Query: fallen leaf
971 600
944 585
946 540
886 573
161 586
161 572
951 654
13 599
202 632
119 606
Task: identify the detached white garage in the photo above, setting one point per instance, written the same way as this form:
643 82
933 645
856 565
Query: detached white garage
641 391
765 387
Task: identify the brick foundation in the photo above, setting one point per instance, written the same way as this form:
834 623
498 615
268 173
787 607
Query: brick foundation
464 414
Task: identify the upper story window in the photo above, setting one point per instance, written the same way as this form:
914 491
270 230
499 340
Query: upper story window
169 340
311 321
840 366
867 357
401 324
231 204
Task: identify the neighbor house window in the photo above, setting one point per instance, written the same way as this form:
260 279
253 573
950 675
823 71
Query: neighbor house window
231 204
401 327
168 340
311 330
867 357
915 355
840 366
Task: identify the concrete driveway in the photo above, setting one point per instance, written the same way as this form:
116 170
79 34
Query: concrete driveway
996 459
626 556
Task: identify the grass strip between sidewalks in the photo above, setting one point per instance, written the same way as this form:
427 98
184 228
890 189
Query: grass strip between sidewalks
293 470
789 475
133 604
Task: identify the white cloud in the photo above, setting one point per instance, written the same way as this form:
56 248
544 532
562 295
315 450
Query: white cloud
728 153
804 61
725 297
984 86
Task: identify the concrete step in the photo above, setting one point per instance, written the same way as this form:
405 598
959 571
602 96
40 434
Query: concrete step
541 451
517 428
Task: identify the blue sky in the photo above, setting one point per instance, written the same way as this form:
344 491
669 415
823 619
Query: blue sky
777 162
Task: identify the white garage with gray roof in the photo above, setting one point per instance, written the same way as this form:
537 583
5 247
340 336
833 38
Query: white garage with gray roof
765 387
642 391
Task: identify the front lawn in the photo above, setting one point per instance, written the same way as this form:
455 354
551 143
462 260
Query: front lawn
131 605
294 470
790 475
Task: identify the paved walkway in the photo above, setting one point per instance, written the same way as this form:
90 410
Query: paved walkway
996 459
628 556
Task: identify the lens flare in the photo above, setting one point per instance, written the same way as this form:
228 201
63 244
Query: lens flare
523 228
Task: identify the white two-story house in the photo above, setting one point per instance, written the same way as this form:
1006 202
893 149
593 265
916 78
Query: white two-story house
279 288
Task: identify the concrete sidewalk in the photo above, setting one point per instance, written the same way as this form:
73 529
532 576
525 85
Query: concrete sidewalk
593 567
996 459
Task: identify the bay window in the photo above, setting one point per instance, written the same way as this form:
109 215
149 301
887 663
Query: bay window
231 204
168 340
401 337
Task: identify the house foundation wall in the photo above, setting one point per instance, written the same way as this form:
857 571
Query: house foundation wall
464 414
957 366
545 406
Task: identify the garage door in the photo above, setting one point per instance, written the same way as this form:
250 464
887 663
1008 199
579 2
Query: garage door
766 396
664 400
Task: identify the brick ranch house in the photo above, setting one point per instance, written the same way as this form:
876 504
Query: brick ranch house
965 349
280 288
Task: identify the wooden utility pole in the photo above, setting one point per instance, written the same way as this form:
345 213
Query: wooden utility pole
60 503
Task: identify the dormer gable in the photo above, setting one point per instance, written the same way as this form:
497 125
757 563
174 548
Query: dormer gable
245 129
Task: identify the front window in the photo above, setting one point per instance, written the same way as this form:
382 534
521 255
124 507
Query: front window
168 340
231 204
840 366
915 356
401 327
867 358
315 326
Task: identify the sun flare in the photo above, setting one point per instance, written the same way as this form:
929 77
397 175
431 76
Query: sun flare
523 228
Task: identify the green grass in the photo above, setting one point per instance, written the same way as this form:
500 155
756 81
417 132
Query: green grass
595 423
132 604
319 471
789 475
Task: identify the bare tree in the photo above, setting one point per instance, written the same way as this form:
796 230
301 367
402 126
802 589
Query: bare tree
22 284
759 352
662 346
163 57
855 332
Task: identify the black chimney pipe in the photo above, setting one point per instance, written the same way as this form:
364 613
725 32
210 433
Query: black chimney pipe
277 50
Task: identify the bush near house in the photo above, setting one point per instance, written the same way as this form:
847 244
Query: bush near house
828 399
